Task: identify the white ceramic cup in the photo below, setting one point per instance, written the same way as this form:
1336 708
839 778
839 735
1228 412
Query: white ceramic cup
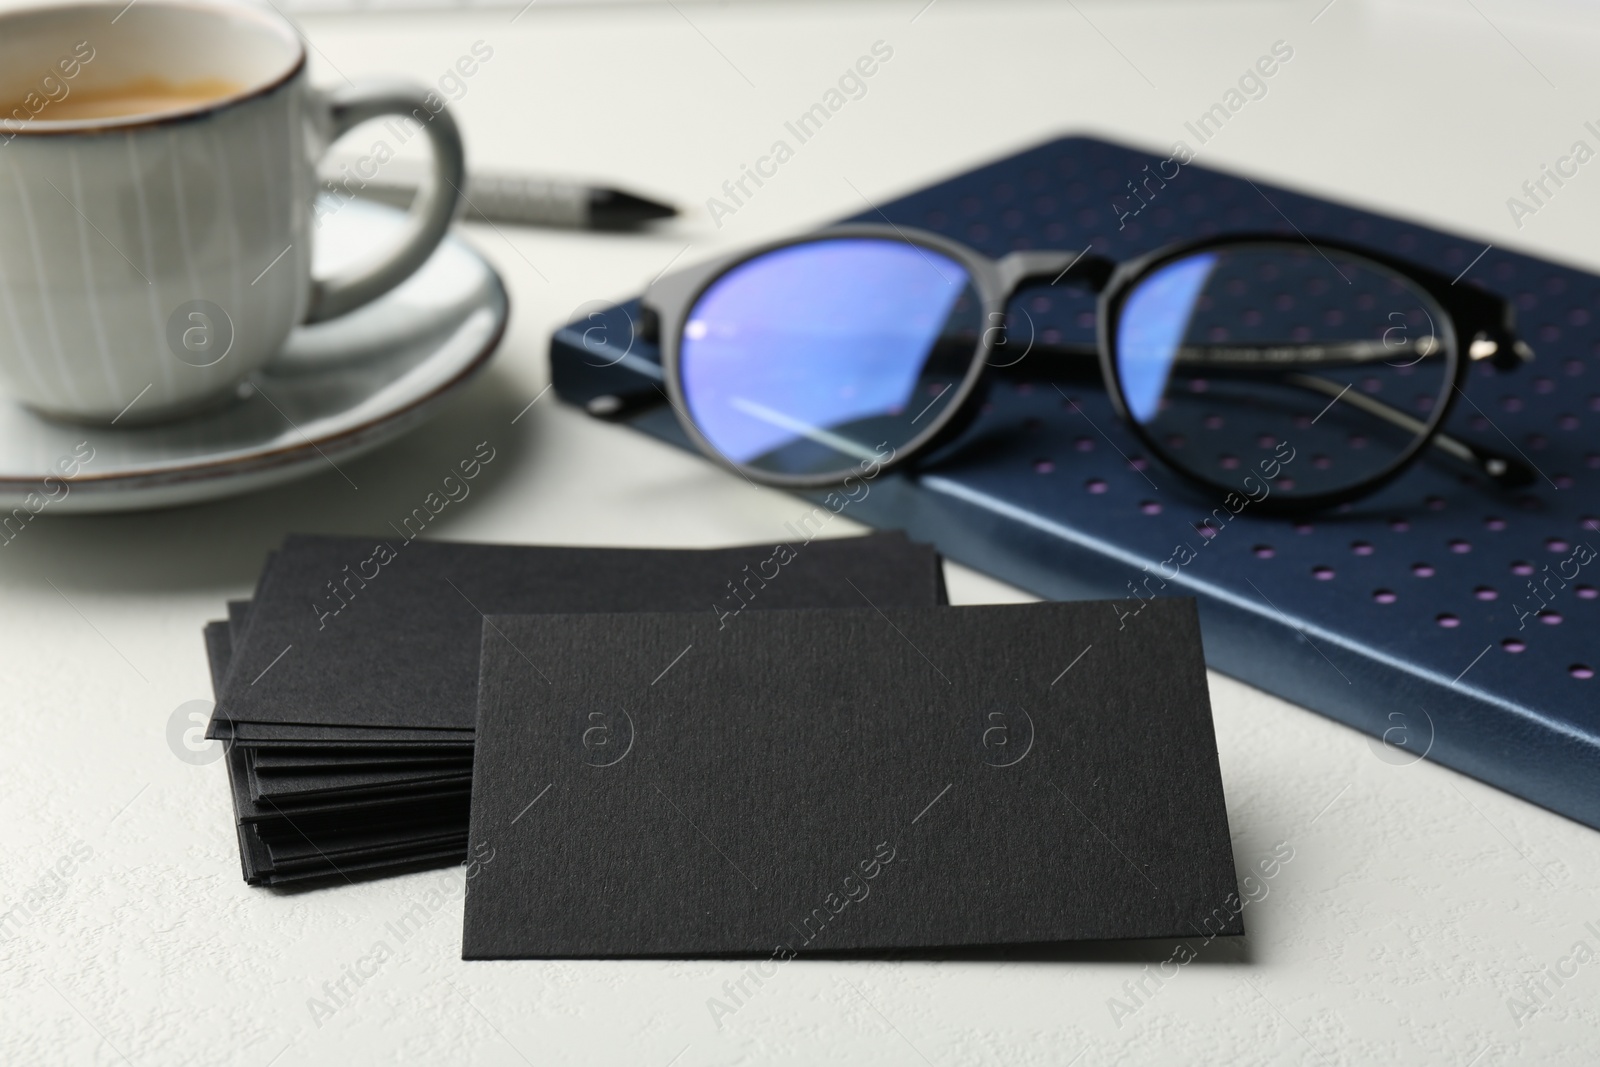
149 263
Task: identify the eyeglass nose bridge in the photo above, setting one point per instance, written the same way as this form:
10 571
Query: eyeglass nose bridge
1019 269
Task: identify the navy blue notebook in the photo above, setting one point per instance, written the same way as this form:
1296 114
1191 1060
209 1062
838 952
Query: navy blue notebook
1455 621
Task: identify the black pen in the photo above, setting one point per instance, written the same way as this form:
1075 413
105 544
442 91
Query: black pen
521 201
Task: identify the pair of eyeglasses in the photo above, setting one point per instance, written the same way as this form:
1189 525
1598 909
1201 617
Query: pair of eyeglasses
1302 374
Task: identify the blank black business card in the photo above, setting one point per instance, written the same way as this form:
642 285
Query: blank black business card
844 781
349 632
313 797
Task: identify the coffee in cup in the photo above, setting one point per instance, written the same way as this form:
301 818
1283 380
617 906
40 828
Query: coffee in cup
161 161
149 95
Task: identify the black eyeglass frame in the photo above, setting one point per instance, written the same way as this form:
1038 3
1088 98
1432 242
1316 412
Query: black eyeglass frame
1485 319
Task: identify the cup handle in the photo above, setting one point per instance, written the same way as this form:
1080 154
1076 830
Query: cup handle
431 213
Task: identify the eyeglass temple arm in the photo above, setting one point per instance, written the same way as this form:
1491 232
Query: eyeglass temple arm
1490 321
1081 362
1503 469
1495 339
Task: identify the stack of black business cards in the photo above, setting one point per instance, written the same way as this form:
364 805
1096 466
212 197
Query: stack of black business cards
844 781
347 686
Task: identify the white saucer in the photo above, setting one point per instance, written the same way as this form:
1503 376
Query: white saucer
336 390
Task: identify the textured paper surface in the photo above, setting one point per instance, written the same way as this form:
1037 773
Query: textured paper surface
402 650
846 780
340 782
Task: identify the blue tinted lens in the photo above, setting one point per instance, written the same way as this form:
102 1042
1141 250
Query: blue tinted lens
1153 323
1280 368
824 356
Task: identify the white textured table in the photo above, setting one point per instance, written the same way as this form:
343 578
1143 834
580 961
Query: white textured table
1422 916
